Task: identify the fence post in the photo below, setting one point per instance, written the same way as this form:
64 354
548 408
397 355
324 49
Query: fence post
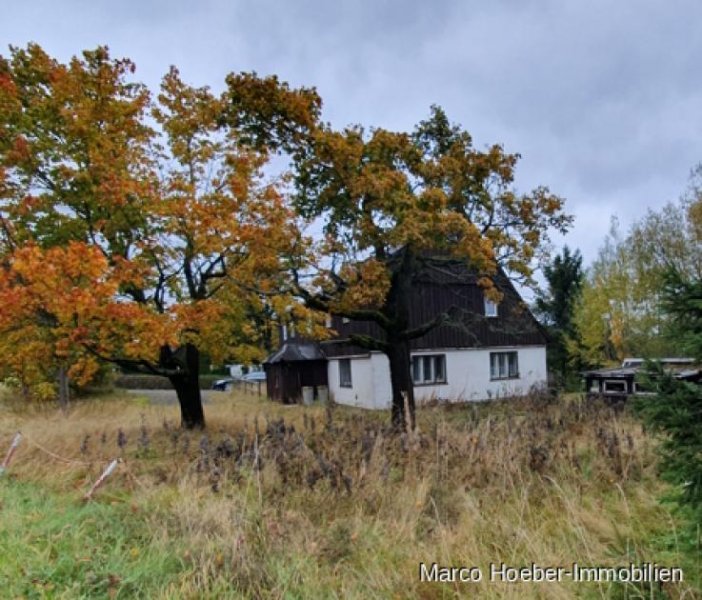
8 457
106 473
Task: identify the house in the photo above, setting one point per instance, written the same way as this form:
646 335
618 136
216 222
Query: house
488 350
619 383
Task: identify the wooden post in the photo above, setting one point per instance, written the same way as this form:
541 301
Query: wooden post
105 474
8 457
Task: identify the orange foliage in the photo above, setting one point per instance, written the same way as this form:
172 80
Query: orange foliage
123 235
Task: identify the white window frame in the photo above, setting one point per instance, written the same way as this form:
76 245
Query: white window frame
428 369
504 365
490 307
345 373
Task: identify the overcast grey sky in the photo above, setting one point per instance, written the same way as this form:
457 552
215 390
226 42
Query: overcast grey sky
602 99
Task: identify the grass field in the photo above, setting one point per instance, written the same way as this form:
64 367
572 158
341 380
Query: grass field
310 502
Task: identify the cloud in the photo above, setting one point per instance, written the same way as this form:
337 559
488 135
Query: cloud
600 98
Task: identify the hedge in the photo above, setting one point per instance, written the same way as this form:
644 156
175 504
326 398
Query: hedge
155 382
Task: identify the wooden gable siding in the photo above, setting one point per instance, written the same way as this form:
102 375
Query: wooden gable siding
514 325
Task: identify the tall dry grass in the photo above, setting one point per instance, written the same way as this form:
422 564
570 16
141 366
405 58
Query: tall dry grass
318 502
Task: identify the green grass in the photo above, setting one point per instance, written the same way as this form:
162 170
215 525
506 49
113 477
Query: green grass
338 508
52 545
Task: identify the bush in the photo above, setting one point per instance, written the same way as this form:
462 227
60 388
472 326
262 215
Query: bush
156 382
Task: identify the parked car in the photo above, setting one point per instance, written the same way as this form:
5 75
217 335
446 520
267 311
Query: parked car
224 385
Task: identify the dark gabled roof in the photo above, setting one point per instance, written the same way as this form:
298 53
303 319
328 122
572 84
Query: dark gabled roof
453 286
296 349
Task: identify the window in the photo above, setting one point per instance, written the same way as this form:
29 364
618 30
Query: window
428 369
614 387
345 372
504 365
490 308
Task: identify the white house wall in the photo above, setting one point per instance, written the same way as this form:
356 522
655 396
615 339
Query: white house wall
467 377
362 391
382 386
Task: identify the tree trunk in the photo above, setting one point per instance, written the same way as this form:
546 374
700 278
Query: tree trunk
403 413
397 309
187 387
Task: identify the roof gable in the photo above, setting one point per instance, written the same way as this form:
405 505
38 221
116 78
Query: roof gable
452 287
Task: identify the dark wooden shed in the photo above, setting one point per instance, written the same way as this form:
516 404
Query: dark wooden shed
619 383
299 363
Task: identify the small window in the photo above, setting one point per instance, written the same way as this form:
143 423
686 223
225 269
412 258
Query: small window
504 365
328 321
345 372
428 369
614 387
490 308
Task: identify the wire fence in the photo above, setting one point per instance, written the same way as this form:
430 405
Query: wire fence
109 469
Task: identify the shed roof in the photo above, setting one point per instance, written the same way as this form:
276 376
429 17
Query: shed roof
683 370
294 350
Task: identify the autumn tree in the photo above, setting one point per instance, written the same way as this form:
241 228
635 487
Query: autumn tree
620 312
391 203
556 305
51 300
670 238
616 315
165 192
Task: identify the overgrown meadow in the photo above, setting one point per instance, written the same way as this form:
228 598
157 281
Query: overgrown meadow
321 502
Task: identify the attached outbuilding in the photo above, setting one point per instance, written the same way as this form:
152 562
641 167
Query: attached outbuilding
299 367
